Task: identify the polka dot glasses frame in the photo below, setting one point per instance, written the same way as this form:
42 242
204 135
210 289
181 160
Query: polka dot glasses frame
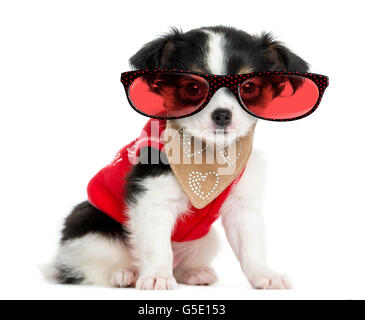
268 95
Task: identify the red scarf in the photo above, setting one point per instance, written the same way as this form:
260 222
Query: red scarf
106 189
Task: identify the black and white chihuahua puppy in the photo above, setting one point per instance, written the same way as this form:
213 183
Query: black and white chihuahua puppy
97 250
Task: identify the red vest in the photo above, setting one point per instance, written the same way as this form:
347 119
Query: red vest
107 188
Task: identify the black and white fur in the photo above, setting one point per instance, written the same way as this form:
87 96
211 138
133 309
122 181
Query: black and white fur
95 249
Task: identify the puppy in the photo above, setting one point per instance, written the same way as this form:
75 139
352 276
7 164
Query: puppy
95 249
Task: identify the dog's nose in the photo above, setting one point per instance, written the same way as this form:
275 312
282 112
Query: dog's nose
222 117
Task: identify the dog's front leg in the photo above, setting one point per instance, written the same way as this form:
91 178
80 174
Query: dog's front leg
245 233
152 217
152 248
151 245
244 226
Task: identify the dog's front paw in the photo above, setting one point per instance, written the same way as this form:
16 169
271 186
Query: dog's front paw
270 280
156 282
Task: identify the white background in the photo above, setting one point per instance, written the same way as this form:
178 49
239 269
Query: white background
64 115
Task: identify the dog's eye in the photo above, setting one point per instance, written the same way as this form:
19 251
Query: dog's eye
249 90
191 91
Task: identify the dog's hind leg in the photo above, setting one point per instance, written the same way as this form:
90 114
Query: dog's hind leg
93 250
94 259
192 260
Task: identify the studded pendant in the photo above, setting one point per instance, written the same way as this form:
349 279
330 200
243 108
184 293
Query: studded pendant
196 180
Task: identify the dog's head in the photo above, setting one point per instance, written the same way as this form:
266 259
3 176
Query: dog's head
221 51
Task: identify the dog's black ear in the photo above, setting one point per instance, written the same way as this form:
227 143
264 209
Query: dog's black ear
279 57
156 53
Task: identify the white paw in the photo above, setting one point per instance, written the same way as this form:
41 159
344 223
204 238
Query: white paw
270 280
123 278
156 282
202 276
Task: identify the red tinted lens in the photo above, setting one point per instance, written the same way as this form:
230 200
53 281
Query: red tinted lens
279 96
168 95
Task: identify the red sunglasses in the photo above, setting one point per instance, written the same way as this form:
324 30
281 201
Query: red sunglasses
268 95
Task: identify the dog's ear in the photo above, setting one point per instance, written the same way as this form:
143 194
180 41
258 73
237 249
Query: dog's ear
156 53
279 57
